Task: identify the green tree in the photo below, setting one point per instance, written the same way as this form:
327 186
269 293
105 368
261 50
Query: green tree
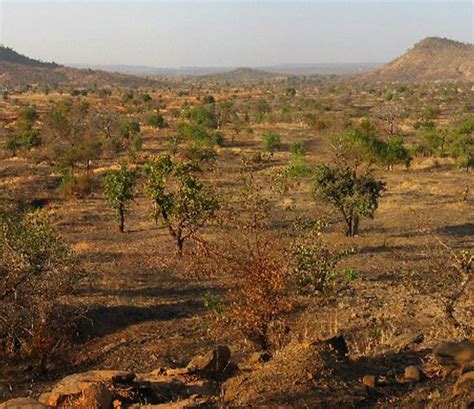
354 196
395 152
183 201
119 191
461 144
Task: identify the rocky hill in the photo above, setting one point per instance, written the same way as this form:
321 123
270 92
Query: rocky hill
431 59
17 69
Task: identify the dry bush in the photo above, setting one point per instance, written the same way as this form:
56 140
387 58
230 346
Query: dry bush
254 259
37 272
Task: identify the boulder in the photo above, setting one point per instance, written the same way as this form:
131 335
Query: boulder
22 403
259 357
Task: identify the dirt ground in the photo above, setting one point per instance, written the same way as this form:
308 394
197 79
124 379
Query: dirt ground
144 313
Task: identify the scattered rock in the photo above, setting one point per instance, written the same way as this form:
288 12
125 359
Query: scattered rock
22 403
259 357
96 396
412 373
369 380
464 383
215 364
454 355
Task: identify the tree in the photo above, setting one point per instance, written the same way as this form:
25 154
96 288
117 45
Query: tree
119 191
394 152
183 202
352 195
461 144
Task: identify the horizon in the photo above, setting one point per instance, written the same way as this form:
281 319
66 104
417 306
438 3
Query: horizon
227 34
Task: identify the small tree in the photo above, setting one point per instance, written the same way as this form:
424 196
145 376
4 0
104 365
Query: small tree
179 197
352 195
119 191
156 120
461 144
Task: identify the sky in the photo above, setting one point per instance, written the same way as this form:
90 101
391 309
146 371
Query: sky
227 32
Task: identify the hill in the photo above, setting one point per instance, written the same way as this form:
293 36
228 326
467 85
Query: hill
242 75
431 59
17 69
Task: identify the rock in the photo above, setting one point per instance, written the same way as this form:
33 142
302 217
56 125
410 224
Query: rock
369 380
404 340
22 403
454 355
73 387
212 364
464 383
193 402
96 396
412 373
259 357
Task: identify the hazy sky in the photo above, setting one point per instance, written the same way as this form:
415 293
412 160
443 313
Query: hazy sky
226 32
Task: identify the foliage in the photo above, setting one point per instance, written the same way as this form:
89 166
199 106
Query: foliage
352 195
315 265
271 141
37 272
119 191
461 144
156 120
183 201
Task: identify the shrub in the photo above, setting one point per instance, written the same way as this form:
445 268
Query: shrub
271 141
315 264
156 120
253 257
37 273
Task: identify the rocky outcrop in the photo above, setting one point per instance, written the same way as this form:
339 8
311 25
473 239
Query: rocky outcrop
195 386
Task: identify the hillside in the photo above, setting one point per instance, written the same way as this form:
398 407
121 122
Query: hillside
17 69
431 59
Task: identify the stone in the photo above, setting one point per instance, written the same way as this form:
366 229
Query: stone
96 396
212 364
259 357
412 373
454 355
22 403
464 383
369 380
72 387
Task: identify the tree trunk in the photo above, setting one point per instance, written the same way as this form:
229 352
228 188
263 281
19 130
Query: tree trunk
353 226
180 245
122 218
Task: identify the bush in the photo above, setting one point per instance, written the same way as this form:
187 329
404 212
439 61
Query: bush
37 273
315 264
77 186
271 141
156 120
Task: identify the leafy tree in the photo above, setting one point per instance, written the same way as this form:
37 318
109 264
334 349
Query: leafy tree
394 152
461 145
432 142
183 202
271 141
119 191
203 116
354 196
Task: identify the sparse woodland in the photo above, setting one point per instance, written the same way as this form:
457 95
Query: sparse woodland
142 226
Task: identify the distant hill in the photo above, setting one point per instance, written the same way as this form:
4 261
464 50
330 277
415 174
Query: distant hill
431 59
243 75
17 69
